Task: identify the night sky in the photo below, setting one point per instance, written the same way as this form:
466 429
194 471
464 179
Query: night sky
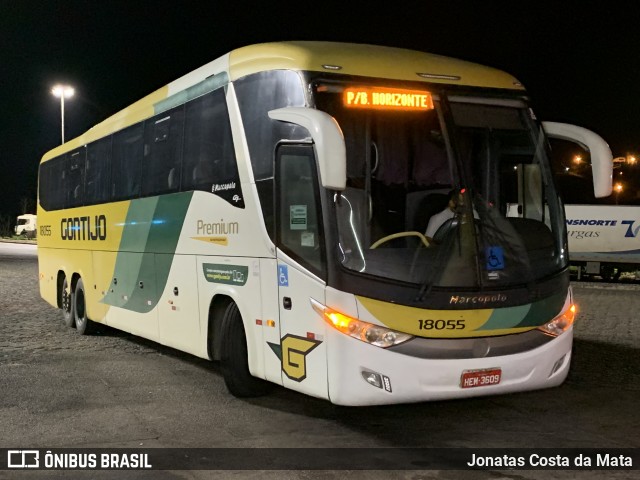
580 64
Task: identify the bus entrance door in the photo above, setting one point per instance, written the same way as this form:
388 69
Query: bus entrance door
299 270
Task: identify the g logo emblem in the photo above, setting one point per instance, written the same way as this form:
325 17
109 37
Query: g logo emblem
292 352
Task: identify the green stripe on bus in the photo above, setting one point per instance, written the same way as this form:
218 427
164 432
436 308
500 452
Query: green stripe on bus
506 317
530 315
544 310
152 228
207 85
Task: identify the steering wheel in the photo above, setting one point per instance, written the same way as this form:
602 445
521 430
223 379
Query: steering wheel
422 238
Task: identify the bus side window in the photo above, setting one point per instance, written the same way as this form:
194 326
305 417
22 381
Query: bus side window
162 152
75 179
126 162
98 172
299 225
53 185
209 155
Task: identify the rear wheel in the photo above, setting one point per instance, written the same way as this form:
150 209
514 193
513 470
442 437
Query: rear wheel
608 273
83 324
234 358
66 304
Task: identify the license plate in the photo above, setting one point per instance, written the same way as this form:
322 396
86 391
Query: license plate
480 378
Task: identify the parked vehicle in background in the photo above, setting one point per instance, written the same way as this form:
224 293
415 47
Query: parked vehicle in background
26 225
603 240
602 232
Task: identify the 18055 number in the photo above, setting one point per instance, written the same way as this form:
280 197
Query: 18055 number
441 324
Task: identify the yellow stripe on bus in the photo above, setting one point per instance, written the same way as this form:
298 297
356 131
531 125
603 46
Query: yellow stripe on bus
433 323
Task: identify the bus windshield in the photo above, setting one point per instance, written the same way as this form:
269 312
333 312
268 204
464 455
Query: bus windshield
444 190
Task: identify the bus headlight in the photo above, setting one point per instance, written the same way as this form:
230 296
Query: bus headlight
366 332
561 323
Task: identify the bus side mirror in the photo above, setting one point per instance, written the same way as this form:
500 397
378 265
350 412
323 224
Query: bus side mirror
601 157
327 138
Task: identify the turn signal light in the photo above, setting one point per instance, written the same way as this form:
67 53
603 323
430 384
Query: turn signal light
366 332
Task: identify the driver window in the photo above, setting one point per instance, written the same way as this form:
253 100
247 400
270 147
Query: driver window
299 225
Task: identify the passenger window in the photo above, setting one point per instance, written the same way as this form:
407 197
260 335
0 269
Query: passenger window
53 183
257 95
209 157
98 172
75 179
162 152
126 163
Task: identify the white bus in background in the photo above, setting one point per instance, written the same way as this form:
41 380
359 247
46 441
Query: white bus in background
604 240
26 225
603 233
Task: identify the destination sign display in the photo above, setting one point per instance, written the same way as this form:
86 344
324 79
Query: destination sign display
387 99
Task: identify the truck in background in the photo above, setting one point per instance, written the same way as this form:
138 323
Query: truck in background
26 225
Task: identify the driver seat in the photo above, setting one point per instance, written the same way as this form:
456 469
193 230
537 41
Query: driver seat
421 208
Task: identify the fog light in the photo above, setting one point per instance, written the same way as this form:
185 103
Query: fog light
557 365
377 380
372 379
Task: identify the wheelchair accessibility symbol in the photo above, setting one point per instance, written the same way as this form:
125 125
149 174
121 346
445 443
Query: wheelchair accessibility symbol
495 258
283 276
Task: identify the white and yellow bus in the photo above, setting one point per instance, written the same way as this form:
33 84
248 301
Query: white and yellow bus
269 210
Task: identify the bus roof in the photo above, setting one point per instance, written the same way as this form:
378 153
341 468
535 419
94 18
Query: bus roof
345 58
365 60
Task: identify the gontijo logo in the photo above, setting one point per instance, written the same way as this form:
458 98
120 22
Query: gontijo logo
84 228
292 352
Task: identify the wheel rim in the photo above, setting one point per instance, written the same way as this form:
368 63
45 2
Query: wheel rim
80 306
66 298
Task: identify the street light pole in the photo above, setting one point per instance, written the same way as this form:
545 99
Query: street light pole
62 92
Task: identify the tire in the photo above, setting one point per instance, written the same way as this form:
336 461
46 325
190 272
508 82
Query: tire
84 326
66 302
607 272
234 359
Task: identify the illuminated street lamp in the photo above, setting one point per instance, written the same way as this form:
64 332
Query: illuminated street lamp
62 92
618 188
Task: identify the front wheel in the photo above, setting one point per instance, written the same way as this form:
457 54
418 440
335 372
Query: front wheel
83 324
234 358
